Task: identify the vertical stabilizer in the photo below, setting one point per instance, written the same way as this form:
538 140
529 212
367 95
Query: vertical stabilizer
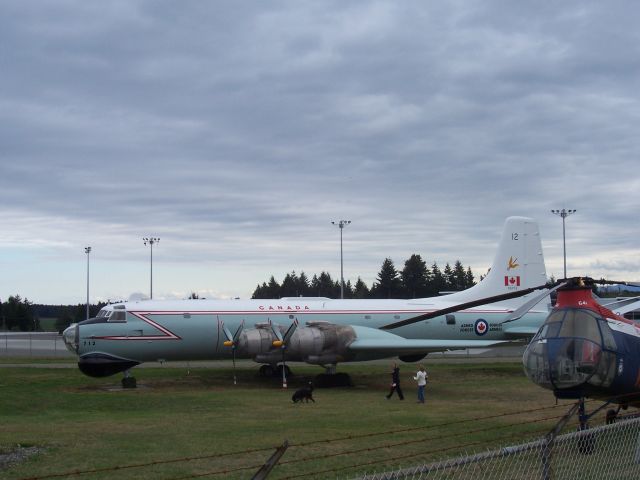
518 264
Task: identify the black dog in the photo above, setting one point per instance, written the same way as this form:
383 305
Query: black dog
305 393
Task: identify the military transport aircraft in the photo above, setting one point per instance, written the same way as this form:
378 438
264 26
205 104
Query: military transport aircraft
319 331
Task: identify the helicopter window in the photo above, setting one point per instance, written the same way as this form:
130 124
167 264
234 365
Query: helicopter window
608 341
548 330
581 324
555 317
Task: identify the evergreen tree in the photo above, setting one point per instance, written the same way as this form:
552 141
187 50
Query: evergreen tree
19 313
360 290
459 277
389 284
303 285
437 283
324 286
289 287
273 289
447 275
260 291
415 275
469 282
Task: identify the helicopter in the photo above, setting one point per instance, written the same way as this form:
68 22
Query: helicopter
584 349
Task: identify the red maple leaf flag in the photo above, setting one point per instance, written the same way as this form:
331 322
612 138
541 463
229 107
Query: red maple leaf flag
512 281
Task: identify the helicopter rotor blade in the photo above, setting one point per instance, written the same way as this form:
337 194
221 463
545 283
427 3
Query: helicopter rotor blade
462 306
524 308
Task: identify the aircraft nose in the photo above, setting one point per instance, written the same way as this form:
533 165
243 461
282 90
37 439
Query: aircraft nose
70 337
563 363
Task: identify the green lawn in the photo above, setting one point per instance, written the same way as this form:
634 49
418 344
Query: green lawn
85 426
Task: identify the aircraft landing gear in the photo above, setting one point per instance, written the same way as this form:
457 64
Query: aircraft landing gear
274 371
128 381
332 379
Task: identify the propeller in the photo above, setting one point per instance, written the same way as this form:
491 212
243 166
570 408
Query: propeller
282 342
232 341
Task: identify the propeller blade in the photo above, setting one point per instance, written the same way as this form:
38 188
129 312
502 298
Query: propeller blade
227 333
602 281
290 331
462 306
236 336
276 331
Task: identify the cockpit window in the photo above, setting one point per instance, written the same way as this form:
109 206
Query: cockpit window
118 316
556 316
102 313
607 337
580 324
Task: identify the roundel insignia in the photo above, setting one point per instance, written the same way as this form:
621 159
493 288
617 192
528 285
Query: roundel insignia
481 327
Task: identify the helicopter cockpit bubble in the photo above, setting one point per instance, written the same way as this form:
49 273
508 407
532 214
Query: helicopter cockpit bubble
574 349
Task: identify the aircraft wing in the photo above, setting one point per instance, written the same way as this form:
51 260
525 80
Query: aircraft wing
371 340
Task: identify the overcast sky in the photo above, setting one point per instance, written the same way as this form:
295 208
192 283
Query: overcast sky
236 131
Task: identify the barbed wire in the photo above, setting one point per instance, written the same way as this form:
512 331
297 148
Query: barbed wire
315 442
390 445
399 457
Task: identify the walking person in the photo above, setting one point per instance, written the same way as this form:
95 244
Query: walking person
421 378
395 382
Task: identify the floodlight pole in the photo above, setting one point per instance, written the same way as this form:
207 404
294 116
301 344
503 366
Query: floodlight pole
87 250
150 241
341 224
564 214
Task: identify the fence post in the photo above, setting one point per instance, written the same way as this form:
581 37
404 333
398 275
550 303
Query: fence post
549 439
271 462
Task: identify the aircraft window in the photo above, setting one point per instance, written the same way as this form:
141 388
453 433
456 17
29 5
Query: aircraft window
186 315
606 370
555 317
101 313
118 317
607 337
451 319
549 330
580 324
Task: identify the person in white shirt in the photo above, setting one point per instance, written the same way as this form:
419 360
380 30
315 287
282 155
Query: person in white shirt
421 378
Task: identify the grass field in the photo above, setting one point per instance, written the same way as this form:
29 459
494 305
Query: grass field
84 425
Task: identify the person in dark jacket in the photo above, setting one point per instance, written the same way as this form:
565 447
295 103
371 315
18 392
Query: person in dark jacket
395 382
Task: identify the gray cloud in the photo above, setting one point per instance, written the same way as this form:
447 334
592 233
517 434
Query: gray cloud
238 131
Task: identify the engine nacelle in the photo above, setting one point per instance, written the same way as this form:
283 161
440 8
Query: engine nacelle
317 343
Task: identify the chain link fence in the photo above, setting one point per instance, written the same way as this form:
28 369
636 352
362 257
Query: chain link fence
33 345
610 451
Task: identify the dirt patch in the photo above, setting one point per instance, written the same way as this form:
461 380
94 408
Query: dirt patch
12 456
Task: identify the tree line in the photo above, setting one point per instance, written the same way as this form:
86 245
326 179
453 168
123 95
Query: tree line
20 314
415 280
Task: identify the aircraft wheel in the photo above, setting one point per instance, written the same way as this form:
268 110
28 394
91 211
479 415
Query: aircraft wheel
266 371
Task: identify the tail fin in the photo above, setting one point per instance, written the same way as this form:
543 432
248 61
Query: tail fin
518 264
